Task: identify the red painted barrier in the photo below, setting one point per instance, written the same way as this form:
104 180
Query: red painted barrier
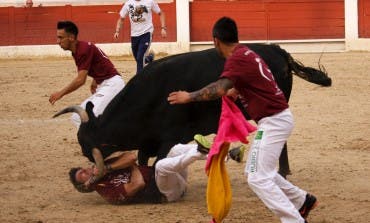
364 18
37 25
257 20
271 20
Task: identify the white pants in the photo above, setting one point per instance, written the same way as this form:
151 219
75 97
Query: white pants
278 194
105 92
171 172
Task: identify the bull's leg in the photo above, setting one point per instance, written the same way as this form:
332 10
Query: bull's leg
164 150
284 169
143 158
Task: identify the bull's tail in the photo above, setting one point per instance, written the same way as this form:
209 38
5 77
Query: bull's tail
316 76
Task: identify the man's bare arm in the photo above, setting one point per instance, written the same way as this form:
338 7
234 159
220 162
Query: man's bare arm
136 182
125 160
118 27
212 91
75 84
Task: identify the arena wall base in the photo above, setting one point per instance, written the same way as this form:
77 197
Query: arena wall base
169 48
111 49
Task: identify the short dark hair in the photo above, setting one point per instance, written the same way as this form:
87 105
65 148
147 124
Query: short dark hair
68 26
79 186
225 30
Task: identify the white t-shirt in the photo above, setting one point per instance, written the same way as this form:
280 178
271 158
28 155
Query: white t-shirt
140 13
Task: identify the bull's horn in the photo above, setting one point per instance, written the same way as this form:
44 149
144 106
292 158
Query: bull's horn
99 162
75 108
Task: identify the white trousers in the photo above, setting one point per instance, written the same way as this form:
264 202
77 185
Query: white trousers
105 92
171 172
278 194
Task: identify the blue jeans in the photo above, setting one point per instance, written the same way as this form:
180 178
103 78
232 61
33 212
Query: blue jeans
139 46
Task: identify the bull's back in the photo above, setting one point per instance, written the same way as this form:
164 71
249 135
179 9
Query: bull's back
142 109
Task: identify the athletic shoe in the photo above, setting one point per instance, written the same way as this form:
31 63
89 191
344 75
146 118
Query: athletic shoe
309 204
149 58
203 144
237 153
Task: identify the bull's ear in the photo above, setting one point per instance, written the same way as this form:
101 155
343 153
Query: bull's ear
89 110
89 107
99 161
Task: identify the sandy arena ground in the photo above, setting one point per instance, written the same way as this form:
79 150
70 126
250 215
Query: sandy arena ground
329 150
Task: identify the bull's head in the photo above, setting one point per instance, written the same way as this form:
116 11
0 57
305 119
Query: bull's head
98 157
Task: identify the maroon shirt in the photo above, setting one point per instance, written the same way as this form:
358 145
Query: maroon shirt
111 187
91 58
259 93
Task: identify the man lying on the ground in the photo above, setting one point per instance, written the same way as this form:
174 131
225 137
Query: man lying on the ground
125 182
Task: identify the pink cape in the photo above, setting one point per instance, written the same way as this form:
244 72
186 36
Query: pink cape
232 127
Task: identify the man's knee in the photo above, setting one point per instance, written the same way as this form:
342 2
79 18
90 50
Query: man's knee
160 166
256 182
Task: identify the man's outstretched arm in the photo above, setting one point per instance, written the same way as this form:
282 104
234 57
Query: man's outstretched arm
75 84
210 92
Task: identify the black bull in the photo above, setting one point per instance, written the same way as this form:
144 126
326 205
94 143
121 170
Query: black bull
140 117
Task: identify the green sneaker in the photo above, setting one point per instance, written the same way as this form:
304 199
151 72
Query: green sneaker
237 153
203 144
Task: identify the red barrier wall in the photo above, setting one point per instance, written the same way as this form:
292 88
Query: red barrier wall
257 20
271 19
364 18
37 25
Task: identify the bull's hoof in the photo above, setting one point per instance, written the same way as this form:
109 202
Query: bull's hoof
284 173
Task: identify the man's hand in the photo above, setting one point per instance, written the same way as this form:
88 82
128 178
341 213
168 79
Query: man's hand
179 97
116 35
233 93
55 97
163 33
118 27
107 169
95 170
93 179
93 87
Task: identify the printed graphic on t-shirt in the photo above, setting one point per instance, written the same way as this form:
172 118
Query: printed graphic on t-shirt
121 179
136 13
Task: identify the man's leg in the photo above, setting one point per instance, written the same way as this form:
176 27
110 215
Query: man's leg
203 146
294 193
178 150
143 47
167 171
135 41
302 201
105 92
149 55
262 162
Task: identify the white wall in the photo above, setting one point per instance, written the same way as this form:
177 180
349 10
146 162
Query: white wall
352 40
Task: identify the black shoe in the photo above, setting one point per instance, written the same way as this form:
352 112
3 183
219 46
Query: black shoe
149 58
203 144
237 153
309 204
